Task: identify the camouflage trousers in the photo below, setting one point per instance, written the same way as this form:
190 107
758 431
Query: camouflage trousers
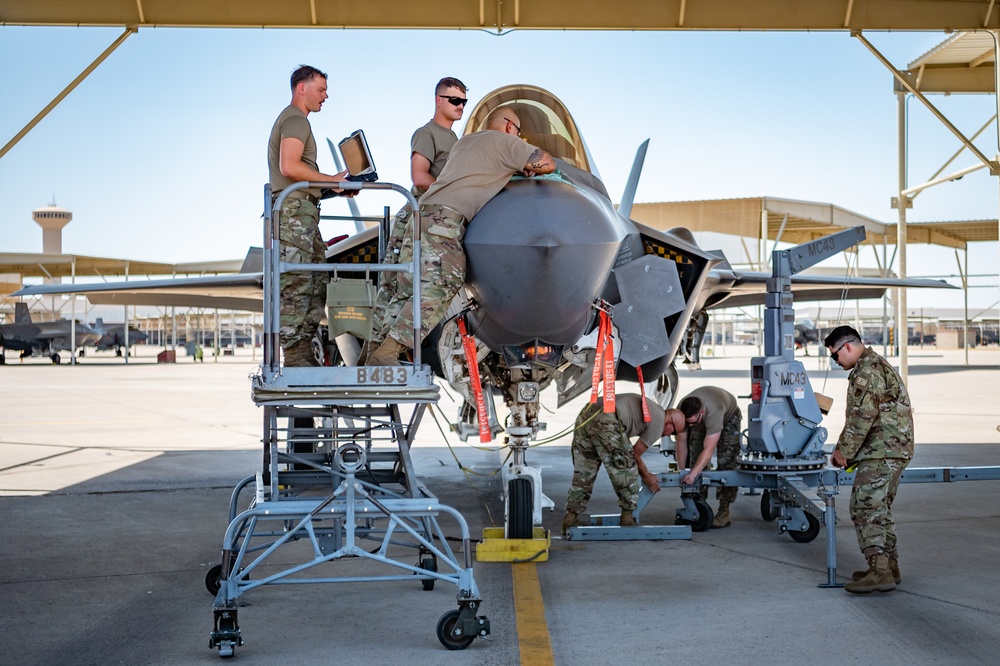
726 453
387 279
442 273
874 490
602 440
303 294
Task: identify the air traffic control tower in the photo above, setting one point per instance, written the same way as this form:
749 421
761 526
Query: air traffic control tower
52 220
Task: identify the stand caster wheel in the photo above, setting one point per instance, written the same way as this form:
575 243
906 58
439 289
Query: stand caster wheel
445 627
428 564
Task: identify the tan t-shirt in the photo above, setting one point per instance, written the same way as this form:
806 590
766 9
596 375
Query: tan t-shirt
480 165
291 124
433 142
628 406
720 406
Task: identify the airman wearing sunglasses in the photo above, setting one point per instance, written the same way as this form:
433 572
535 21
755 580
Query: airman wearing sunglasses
878 438
430 146
480 165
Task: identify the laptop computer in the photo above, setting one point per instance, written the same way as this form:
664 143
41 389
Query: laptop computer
358 158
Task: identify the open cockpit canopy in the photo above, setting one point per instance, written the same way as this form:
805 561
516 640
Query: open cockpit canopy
545 121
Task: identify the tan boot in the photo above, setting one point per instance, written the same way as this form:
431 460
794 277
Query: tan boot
893 567
571 520
627 519
877 579
722 517
387 354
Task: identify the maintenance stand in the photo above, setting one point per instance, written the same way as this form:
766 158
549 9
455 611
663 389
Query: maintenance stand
337 481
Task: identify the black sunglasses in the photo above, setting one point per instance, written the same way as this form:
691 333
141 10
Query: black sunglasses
833 354
516 126
455 101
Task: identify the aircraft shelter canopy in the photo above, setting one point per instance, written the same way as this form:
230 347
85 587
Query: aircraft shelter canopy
29 264
963 63
796 222
514 14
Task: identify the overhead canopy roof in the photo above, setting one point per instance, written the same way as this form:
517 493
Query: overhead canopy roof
805 221
512 14
61 265
963 63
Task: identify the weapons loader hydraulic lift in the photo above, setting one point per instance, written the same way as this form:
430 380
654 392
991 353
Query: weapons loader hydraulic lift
783 453
337 481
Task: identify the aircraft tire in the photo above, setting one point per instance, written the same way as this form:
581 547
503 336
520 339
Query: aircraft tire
3 359
55 359
520 511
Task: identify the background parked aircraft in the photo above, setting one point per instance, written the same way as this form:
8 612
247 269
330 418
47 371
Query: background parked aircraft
44 338
113 336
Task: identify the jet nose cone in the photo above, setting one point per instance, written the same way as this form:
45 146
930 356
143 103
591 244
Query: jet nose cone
539 255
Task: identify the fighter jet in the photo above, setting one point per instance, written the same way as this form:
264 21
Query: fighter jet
44 338
113 336
555 272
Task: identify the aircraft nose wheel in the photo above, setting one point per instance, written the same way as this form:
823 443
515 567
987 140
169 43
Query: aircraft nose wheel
520 509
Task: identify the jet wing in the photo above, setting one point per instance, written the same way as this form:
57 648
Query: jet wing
728 288
242 291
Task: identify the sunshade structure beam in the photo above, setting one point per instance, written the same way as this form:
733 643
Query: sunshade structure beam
501 16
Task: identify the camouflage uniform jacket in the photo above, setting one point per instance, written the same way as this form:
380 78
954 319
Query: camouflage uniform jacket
879 419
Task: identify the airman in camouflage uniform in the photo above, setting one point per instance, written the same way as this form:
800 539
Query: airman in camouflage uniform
441 255
303 294
479 166
878 438
714 421
430 146
291 158
601 438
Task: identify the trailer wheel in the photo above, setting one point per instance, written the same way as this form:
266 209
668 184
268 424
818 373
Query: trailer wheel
767 512
809 533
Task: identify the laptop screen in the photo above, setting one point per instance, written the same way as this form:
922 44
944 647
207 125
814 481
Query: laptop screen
357 157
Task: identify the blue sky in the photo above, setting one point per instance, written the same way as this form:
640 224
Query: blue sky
160 153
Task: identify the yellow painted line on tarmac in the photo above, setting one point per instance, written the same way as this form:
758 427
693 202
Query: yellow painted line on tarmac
532 631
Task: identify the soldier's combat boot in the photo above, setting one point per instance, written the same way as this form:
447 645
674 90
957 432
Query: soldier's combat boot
877 579
387 354
893 567
627 519
722 517
571 520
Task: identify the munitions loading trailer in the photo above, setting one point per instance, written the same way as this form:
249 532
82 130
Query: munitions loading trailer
783 452
337 481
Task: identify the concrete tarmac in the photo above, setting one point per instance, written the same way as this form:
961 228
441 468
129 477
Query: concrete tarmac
114 494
